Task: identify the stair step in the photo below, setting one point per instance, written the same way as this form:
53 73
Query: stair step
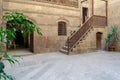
65 47
63 51
78 36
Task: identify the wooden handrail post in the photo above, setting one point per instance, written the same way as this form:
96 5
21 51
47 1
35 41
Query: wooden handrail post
68 44
92 19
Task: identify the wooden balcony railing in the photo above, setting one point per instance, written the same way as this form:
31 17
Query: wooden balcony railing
61 2
100 20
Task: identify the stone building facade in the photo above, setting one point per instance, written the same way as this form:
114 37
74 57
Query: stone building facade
72 14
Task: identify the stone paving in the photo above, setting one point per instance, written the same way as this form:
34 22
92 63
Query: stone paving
99 65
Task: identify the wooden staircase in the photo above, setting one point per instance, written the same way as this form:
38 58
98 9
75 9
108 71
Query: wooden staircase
81 33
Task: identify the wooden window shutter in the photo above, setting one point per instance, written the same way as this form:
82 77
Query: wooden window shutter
61 28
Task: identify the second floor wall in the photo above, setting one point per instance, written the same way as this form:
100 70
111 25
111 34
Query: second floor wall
41 8
71 3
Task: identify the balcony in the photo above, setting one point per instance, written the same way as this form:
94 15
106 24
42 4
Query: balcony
100 21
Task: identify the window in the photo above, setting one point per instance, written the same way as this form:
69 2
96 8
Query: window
61 28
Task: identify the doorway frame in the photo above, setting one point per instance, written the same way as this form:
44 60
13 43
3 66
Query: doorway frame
86 14
99 36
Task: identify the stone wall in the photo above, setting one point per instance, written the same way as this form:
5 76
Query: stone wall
71 3
0 11
46 16
113 15
100 7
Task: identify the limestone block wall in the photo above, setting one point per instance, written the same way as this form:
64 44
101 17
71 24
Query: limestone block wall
100 7
46 16
113 16
86 4
0 11
114 12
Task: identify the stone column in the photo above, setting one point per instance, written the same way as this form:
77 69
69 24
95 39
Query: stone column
91 7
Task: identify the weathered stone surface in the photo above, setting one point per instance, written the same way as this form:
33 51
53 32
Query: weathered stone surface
47 16
1 11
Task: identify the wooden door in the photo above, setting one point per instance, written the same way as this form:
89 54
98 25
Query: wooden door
98 40
31 42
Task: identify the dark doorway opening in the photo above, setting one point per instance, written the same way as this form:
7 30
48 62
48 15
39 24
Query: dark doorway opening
85 14
98 40
20 42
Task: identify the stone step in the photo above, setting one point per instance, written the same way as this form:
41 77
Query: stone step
63 51
65 47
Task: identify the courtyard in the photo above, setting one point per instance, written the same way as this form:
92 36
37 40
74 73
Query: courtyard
100 65
69 26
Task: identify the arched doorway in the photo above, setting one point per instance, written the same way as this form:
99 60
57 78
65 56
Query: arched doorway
98 40
20 42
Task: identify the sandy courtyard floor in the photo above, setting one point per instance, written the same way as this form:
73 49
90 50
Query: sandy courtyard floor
99 65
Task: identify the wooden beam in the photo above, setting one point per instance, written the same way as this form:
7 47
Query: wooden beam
106 11
106 8
92 7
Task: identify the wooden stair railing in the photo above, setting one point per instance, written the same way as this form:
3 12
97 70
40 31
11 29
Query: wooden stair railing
80 34
77 36
72 41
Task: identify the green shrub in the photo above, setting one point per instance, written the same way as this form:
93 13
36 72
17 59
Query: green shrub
15 21
112 36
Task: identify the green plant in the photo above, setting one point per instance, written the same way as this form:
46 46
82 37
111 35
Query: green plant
112 36
18 21
4 55
15 21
